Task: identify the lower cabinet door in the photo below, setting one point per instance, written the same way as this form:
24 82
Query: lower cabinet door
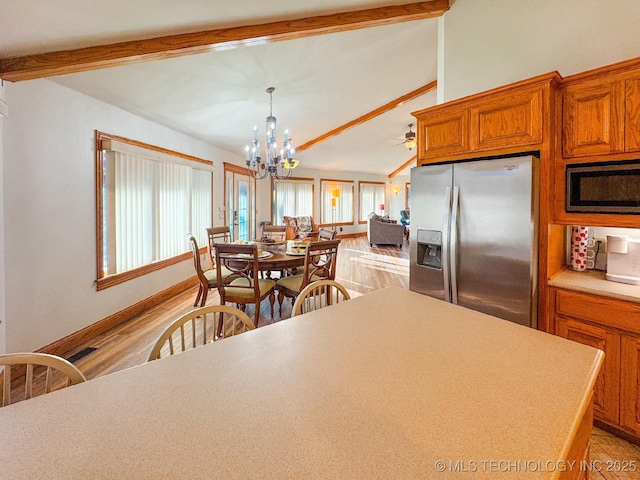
630 388
607 388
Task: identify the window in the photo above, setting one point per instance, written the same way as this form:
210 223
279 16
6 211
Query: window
371 197
291 197
336 202
407 195
148 200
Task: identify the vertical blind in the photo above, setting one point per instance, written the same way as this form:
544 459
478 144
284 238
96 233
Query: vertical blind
149 208
371 196
293 199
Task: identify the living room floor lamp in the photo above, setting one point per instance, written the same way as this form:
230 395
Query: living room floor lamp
335 194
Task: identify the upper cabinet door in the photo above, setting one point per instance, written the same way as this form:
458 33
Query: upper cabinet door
507 121
593 118
441 134
632 115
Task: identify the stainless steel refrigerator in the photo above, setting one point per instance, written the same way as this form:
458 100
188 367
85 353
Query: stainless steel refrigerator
474 235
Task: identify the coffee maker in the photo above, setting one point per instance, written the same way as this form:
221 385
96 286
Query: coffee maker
623 259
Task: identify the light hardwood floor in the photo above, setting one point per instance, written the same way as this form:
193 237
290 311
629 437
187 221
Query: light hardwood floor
361 269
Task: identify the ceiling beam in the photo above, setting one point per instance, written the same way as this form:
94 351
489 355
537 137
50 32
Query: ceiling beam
413 159
103 56
368 116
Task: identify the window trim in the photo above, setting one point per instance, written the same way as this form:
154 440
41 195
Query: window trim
335 180
103 282
407 186
384 186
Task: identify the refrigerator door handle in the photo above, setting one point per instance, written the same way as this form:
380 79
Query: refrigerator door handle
445 245
453 241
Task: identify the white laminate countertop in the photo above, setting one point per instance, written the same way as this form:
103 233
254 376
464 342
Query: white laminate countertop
595 282
392 384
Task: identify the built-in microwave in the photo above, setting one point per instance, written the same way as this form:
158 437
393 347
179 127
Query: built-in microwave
611 187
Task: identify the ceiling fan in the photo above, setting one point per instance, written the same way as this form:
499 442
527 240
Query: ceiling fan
409 138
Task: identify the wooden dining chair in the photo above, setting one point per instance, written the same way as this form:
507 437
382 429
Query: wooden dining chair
199 327
58 373
274 232
216 235
242 285
207 278
319 264
319 294
326 234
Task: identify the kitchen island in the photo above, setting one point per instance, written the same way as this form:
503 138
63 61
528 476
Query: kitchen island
391 384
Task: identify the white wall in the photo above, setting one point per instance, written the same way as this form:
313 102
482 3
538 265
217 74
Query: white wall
49 211
490 43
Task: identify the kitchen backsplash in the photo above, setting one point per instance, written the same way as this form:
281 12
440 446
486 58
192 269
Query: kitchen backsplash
596 246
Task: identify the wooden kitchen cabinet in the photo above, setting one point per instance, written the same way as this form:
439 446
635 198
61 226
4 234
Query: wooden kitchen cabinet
593 118
606 390
630 383
443 133
612 326
632 115
513 119
503 121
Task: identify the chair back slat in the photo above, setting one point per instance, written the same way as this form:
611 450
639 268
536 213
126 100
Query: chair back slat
24 377
242 261
319 294
320 261
275 232
210 318
216 235
326 234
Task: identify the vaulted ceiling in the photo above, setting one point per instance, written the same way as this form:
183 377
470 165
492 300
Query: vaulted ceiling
334 63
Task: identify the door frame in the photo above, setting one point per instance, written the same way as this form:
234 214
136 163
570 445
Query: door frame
231 170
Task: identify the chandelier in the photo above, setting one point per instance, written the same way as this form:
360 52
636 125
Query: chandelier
276 164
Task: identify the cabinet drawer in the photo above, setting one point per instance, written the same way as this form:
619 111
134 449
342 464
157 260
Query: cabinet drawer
605 311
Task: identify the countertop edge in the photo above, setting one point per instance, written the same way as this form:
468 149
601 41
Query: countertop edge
595 283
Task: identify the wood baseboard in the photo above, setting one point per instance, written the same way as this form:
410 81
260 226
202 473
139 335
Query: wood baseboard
352 235
617 431
101 326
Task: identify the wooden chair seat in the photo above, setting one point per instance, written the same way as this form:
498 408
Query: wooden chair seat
264 285
212 276
293 283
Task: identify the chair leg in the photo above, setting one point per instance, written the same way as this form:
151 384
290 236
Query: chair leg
272 300
195 304
256 315
205 292
280 300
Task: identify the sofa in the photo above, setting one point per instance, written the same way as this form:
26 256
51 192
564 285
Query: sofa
383 231
301 228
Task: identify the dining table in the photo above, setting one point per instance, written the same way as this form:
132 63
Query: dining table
390 384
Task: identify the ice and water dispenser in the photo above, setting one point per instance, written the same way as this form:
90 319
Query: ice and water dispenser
429 244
